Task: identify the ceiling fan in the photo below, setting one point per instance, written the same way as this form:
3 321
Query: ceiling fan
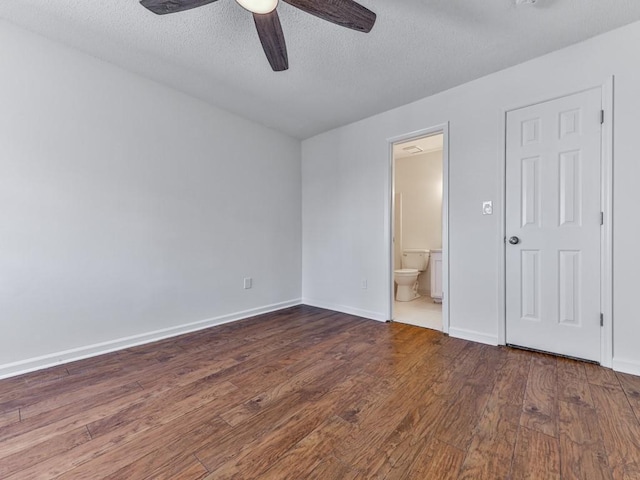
345 13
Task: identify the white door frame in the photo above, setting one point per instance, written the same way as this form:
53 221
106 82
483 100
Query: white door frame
390 209
606 233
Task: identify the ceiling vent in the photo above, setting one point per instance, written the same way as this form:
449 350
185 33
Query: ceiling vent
412 149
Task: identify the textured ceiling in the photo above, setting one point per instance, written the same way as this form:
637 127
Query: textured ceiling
336 76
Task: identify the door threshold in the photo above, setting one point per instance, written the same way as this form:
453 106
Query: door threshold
535 350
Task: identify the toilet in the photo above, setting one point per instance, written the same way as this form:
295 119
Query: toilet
414 262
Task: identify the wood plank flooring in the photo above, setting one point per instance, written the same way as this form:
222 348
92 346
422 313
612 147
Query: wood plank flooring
306 393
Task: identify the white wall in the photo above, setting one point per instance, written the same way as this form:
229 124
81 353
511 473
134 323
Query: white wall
346 188
129 211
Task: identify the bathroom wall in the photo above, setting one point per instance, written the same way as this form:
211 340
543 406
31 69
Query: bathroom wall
130 211
397 231
418 179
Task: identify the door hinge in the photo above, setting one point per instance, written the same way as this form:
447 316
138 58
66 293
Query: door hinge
601 218
602 319
601 117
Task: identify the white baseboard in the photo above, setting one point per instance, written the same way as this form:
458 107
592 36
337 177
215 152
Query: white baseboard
626 366
473 336
380 317
67 356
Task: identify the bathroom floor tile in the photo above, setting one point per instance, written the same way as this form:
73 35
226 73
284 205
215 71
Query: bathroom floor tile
421 312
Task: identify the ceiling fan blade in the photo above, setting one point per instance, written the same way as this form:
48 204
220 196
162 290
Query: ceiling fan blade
162 7
272 39
346 13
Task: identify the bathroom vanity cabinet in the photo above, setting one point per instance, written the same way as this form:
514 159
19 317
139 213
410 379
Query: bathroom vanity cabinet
436 275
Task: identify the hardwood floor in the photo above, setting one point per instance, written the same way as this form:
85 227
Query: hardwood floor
306 393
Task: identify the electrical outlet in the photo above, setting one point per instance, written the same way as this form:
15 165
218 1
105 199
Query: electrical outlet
248 283
487 208
364 284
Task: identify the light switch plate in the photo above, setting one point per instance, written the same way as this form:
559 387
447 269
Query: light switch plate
487 208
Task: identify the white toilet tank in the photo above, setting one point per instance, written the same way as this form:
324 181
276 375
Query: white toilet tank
417 258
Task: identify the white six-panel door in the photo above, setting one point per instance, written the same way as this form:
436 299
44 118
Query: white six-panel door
553 226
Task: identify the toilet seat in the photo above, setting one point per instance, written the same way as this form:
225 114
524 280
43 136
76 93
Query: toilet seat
406 272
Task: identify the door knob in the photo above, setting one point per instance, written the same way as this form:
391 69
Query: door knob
514 240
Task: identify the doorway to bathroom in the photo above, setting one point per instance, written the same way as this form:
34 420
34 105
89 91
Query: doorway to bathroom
419 253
